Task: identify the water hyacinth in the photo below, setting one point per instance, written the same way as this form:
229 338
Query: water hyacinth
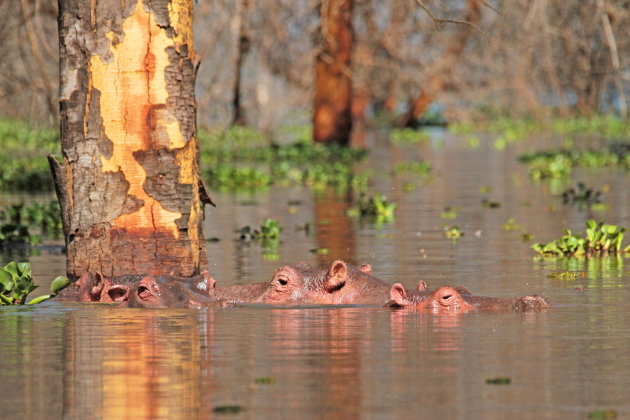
600 239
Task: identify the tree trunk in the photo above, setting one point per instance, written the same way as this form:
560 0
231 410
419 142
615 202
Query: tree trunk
238 117
129 186
332 119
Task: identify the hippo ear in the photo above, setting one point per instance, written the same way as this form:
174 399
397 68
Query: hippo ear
209 282
336 276
422 286
463 290
398 295
97 286
366 268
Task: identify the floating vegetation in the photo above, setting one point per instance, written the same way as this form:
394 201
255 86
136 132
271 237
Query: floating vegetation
603 415
453 232
268 234
242 158
408 136
567 275
599 240
526 237
449 212
560 163
23 163
320 251
510 225
510 130
16 220
581 195
377 205
16 283
265 381
412 168
499 381
490 204
227 409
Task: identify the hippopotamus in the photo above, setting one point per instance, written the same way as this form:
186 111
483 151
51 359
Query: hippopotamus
460 300
98 288
339 284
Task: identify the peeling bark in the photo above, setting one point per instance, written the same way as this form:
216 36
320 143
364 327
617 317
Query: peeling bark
128 134
332 117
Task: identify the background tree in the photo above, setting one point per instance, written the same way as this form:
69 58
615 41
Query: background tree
129 185
332 115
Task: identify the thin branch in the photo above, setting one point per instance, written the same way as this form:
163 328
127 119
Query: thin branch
438 22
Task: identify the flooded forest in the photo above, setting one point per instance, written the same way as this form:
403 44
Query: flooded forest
314 209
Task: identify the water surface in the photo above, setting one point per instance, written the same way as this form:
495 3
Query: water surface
95 361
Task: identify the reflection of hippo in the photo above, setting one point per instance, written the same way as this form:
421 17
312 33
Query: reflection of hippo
341 283
448 299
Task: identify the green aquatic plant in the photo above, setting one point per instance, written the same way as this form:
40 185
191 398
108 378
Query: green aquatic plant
581 195
408 136
599 239
449 212
412 168
377 205
16 283
243 159
23 163
268 234
453 232
559 163
16 221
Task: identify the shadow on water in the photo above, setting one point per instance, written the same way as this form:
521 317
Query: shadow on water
81 361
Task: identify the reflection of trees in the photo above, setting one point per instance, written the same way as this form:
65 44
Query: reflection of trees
335 231
137 367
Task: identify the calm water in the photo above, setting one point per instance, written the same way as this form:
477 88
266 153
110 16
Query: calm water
94 361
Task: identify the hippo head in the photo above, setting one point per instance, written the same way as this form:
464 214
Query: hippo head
99 288
167 291
341 283
444 299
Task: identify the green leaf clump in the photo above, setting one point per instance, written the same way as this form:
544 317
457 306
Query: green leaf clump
600 239
16 283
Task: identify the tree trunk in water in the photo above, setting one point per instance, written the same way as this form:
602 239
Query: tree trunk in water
332 119
129 187
238 117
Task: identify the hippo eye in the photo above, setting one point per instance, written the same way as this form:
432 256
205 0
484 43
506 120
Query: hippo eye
446 297
283 281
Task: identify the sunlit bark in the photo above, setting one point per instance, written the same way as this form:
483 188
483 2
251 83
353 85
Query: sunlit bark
129 183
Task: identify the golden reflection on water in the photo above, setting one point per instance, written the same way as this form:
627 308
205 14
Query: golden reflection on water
141 365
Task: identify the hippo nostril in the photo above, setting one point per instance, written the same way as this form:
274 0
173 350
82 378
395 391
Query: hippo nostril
117 294
144 292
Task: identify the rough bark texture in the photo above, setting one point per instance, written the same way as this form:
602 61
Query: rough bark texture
128 134
332 119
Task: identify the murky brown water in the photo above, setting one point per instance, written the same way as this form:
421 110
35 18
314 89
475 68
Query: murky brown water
94 361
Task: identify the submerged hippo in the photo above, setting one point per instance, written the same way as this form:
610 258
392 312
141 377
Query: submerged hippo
449 299
98 288
341 283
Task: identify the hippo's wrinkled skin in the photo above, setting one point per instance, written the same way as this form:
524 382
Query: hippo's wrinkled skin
339 284
166 291
98 288
451 300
